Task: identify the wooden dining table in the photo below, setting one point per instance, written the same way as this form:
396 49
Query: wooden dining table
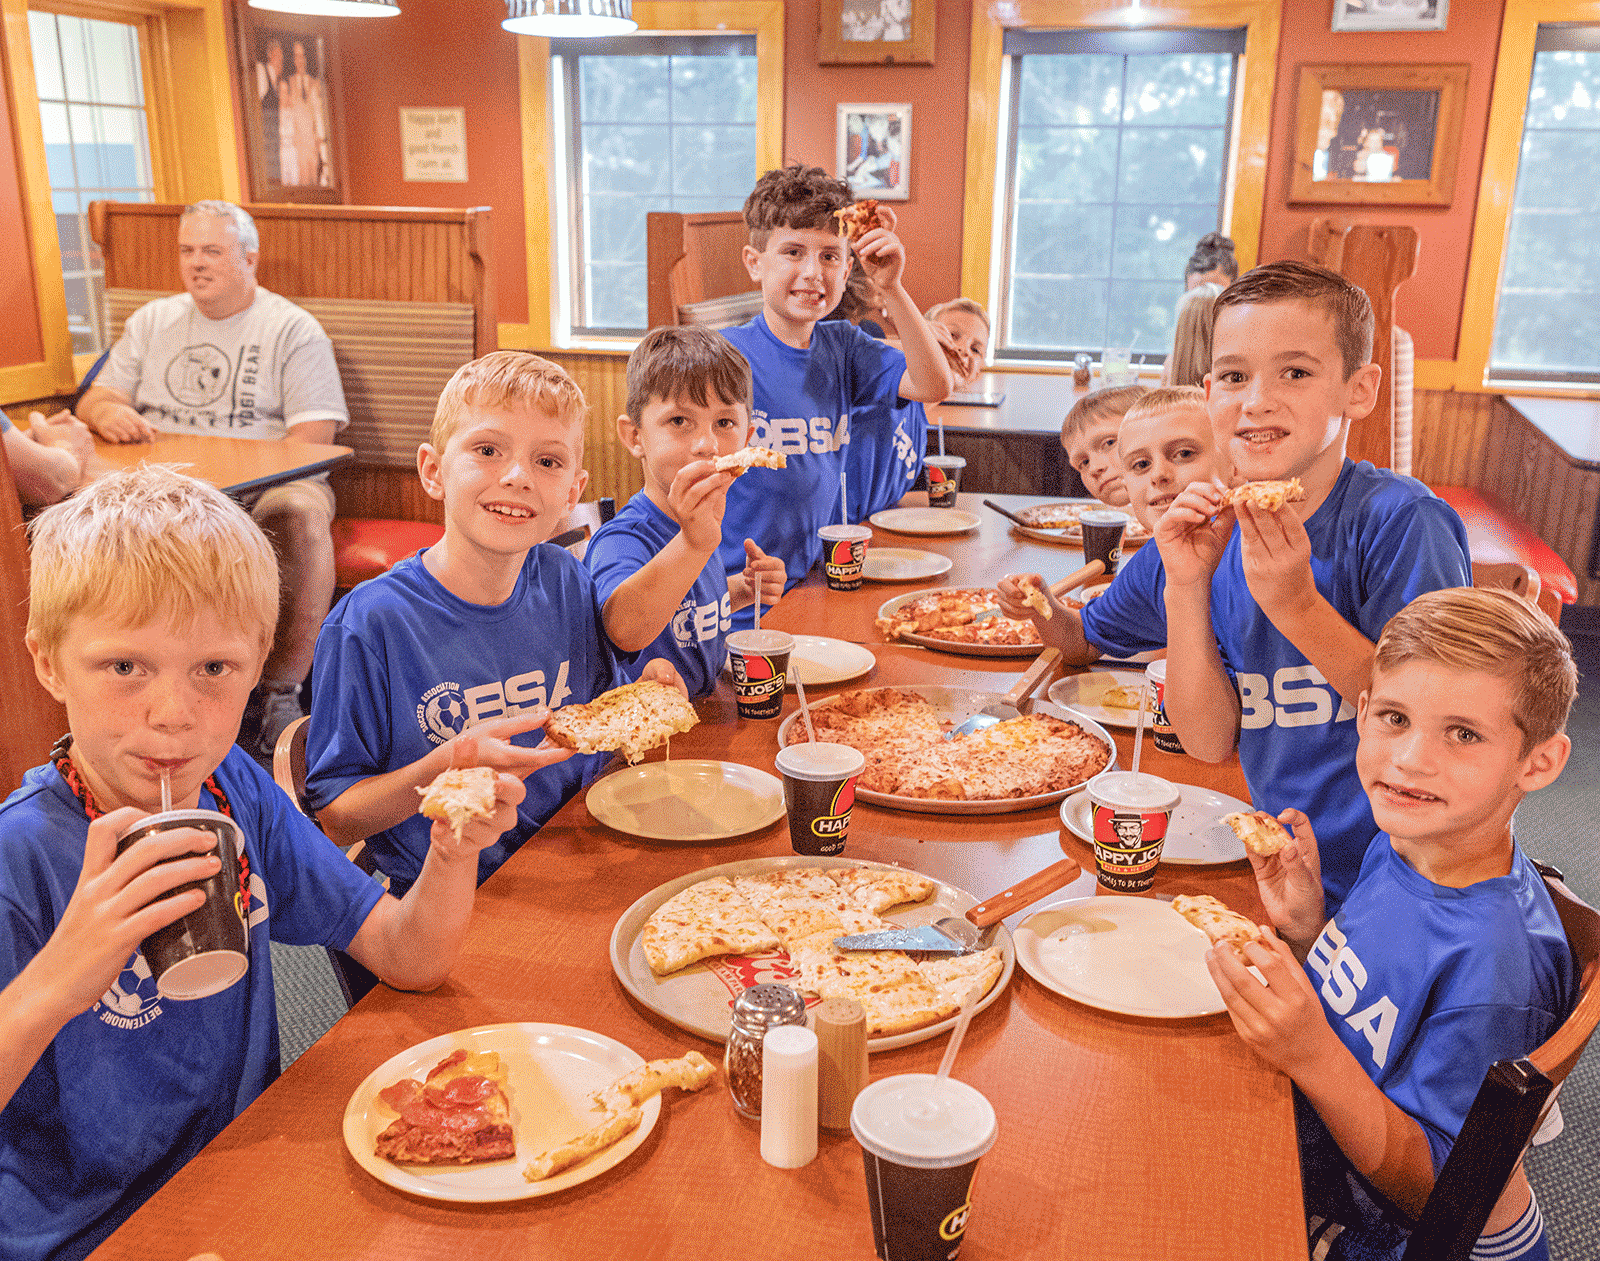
1121 1138
239 466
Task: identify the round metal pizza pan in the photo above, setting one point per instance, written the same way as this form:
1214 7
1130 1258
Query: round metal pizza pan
888 607
955 705
697 999
1072 535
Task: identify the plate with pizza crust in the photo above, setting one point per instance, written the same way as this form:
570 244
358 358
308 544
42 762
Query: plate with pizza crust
696 998
686 801
954 705
550 1070
892 605
1102 695
925 521
1133 956
1197 836
1058 523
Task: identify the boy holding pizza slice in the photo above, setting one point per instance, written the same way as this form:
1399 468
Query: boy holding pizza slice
816 378
1447 954
153 599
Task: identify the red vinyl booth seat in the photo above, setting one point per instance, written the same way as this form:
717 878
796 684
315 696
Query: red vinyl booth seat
364 547
1495 534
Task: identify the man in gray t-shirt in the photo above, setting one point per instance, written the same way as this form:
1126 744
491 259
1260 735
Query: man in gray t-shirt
228 357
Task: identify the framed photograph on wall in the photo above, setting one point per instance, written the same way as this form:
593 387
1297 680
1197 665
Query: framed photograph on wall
874 150
294 129
1390 15
876 32
1378 134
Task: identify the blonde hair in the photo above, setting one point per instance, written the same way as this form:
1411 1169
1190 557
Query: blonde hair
1490 631
1101 405
957 304
1169 398
503 381
1191 336
150 542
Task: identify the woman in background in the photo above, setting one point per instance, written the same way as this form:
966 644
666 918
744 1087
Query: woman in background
1212 262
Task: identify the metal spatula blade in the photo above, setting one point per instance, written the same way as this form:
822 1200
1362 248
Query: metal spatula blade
1005 708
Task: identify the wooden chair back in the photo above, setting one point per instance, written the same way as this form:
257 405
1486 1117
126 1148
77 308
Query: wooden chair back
693 261
1378 257
1510 1105
1512 576
34 718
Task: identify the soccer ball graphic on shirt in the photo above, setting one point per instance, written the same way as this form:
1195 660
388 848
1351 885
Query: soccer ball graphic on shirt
124 996
446 714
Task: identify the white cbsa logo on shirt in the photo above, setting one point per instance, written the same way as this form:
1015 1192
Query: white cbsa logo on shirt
448 709
698 623
797 435
1295 696
1343 978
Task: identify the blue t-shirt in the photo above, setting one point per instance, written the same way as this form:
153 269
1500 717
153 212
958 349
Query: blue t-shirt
1428 986
1377 542
402 665
129 1090
885 459
693 640
809 405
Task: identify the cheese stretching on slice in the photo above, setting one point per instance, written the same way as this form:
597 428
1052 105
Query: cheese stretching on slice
633 718
459 795
749 458
1267 496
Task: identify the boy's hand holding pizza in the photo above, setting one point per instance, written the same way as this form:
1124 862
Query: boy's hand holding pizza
697 499
489 744
660 670
1279 1017
882 255
1014 589
477 823
1192 535
1290 883
1276 553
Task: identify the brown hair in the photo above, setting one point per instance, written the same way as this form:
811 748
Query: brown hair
1191 336
1166 399
1212 252
794 196
505 380
686 361
1291 281
1490 631
957 304
1102 404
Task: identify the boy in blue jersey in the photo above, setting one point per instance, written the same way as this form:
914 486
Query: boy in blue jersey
153 602
813 377
655 565
1447 953
457 655
1269 617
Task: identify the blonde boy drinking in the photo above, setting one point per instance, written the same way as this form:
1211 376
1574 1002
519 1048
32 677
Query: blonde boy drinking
654 564
457 655
1447 953
153 601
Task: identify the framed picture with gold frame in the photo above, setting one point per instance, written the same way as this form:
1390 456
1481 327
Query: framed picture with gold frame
876 32
294 124
1378 134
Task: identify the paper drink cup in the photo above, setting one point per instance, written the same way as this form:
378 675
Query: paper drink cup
207 950
760 661
921 1140
1131 811
1102 537
844 552
944 479
819 789
1160 725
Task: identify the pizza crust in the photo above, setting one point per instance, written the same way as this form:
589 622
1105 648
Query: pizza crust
1261 833
749 458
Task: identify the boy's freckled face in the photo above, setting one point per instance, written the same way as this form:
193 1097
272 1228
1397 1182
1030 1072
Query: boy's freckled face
1163 453
143 699
674 432
802 273
507 478
1093 452
1277 392
1440 753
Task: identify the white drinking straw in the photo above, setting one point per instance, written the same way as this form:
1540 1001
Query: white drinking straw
844 502
166 790
941 437
968 1006
805 710
758 603
1138 735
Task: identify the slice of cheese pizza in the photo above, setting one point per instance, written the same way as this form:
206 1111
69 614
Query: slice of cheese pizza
1216 920
749 458
708 918
459 795
857 220
1260 832
632 718
1267 496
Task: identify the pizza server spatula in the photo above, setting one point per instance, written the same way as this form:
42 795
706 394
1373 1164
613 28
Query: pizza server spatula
959 935
1006 707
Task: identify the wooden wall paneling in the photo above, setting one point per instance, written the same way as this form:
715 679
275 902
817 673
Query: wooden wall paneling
1450 437
383 491
603 379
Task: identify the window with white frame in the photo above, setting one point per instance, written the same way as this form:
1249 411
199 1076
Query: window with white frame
97 145
1116 164
652 122
1547 320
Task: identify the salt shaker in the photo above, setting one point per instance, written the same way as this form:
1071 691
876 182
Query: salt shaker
789 1097
841 1028
756 1010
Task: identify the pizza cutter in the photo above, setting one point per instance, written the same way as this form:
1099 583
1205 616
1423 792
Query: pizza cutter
959 935
1006 707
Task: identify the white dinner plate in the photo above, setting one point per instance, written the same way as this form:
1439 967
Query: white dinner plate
700 997
1086 694
550 1070
1135 956
687 801
903 564
1195 837
820 660
925 521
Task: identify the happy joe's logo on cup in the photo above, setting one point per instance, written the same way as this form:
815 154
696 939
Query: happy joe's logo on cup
836 821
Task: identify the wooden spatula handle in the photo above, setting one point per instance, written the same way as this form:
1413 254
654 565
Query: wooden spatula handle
1025 892
1032 676
1092 570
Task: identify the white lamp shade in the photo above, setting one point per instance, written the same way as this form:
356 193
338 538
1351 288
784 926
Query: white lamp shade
331 8
569 19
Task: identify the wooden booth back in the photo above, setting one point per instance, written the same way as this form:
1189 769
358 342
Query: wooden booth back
695 270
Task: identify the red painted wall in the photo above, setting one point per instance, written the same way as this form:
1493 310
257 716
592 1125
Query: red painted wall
19 303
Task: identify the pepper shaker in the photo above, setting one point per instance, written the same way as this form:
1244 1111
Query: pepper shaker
1080 371
841 1027
756 1010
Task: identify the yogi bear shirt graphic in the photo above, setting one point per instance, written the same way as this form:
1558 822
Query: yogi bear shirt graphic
248 376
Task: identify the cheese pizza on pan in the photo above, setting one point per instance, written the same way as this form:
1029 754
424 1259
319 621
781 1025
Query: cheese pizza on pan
953 615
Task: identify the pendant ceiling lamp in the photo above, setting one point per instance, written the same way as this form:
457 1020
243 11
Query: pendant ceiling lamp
569 19
331 8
